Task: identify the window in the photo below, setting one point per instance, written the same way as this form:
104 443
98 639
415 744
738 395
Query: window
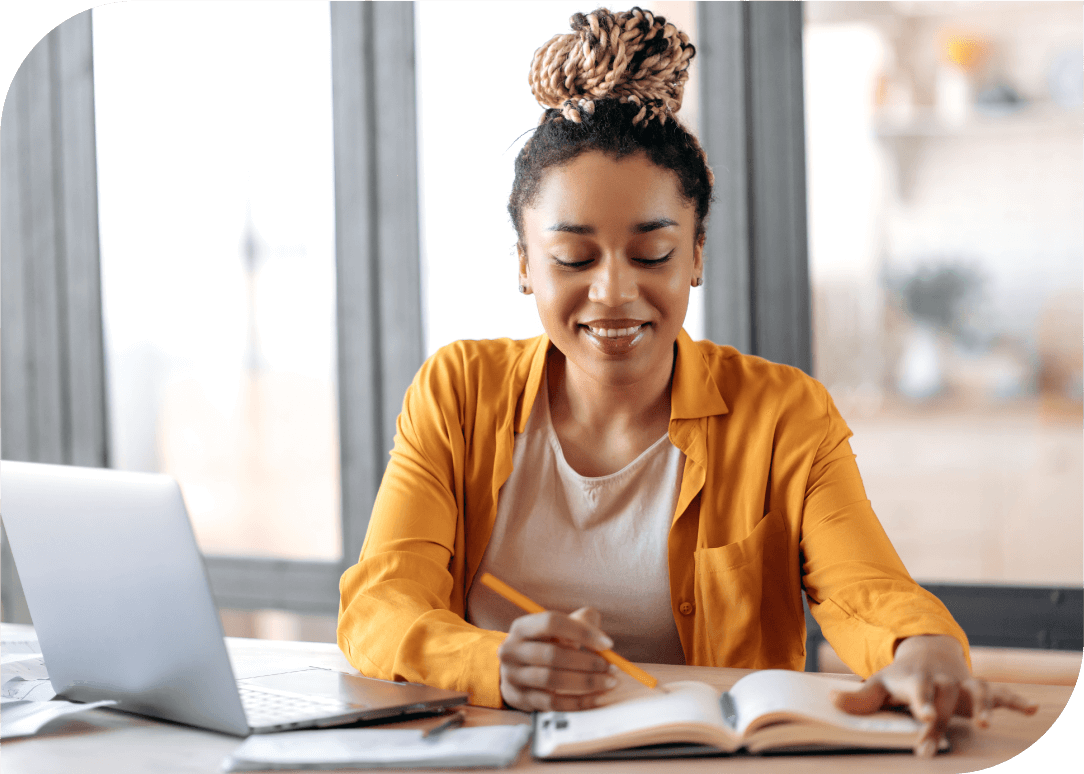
216 209
218 264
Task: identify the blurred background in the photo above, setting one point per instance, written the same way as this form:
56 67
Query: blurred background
945 202
945 209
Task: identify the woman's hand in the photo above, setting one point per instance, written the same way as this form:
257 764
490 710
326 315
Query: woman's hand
549 662
929 675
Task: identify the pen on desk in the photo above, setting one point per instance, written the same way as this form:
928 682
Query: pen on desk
530 606
455 721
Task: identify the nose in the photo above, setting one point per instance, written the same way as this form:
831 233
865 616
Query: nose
614 283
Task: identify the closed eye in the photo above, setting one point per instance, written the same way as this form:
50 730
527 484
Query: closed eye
642 261
655 261
571 264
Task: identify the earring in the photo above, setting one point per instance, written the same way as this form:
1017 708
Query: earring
522 288
698 281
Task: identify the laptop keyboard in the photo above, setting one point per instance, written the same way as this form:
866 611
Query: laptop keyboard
268 707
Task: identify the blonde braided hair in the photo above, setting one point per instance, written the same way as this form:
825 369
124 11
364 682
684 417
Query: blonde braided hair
613 86
632 56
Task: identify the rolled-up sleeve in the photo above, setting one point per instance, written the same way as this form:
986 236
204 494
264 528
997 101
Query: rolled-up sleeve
857 587
400 615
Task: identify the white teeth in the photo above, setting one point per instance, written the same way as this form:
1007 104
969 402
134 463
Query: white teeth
613 333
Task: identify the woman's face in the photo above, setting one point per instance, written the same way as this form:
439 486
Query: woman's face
611 253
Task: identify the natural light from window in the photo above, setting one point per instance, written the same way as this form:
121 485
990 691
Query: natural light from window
216 206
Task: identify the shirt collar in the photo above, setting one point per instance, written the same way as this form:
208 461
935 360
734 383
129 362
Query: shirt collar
534 382
693 394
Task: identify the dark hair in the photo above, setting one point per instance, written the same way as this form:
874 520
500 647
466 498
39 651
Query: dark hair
612 86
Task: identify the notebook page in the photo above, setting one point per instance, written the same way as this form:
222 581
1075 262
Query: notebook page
683 703
778 690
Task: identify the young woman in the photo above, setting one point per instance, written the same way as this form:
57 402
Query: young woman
679 496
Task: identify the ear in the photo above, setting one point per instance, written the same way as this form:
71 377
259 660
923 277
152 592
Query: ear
524 269
698 257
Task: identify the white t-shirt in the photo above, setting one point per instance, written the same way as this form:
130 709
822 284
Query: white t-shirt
569 541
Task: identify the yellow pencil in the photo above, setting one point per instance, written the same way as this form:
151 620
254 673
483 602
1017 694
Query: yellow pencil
531 606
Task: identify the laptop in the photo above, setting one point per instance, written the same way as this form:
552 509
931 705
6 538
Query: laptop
123 610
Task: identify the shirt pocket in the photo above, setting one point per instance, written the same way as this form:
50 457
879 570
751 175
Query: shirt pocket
748 614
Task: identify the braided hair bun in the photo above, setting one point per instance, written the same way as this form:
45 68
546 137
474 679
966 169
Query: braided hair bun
633 56
613 85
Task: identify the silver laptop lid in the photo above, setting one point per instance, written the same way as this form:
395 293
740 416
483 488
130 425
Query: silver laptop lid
119 594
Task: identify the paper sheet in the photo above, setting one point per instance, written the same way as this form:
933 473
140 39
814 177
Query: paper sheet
28 667
27 690
380 748
12 655
25 678
20 646
25 718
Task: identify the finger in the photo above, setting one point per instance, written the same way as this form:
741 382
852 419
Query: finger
945 699
921 693
589 616
1000 696
926 747
558 680
918 692
593 619
865 701
974 701
542 701
554 655
552 625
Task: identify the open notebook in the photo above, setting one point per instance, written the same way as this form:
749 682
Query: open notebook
771 710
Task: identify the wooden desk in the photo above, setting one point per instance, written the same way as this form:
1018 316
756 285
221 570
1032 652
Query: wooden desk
113 742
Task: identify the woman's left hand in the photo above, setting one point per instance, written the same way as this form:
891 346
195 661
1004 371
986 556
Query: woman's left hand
929 675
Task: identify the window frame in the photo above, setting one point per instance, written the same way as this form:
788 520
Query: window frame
752 127
53 401
54 394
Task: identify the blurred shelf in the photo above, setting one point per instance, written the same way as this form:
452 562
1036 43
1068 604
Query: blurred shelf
888 12
905 139
1033 118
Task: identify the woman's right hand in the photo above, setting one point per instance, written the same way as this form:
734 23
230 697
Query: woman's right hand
549 661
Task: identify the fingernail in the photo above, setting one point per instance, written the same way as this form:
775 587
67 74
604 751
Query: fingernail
926 748
611 681
925 712
602 642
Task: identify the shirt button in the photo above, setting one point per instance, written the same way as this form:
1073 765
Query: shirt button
686 608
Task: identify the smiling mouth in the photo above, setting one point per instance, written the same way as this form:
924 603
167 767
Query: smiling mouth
616 338
615 333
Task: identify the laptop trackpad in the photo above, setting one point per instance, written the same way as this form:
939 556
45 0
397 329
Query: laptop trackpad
360 691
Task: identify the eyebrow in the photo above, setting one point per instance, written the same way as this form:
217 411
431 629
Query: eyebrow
654 225
639 228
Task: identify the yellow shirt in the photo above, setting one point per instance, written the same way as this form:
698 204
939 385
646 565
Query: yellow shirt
771 502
